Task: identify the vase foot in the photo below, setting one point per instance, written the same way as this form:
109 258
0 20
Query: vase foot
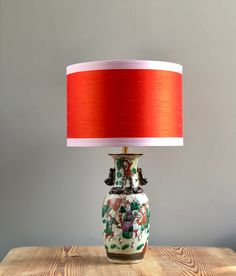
125 258
124 262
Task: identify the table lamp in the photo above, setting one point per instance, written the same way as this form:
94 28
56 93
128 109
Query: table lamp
124 103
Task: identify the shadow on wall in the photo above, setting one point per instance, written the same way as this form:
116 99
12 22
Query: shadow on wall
229 241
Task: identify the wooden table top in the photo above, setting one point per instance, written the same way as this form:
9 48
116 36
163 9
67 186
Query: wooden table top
81 260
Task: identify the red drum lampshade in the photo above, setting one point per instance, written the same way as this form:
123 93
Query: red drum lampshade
124 103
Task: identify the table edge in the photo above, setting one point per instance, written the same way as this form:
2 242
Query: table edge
151 247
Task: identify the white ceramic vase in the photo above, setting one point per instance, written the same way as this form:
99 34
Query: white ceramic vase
125 211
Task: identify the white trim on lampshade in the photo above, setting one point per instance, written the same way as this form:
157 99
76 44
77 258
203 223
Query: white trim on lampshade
124 64
120 142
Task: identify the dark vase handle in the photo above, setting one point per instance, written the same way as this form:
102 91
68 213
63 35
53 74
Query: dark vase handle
142 180
111 177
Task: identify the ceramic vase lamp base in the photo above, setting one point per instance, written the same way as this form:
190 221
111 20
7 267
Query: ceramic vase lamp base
125 211
106 103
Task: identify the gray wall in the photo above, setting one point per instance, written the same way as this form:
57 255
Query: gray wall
52 195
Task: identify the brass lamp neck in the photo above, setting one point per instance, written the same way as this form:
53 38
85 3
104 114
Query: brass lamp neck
124 149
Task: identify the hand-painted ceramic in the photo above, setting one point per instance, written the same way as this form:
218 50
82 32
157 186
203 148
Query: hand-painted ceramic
125 211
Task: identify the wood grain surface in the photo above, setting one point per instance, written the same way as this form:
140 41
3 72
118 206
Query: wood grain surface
80 260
